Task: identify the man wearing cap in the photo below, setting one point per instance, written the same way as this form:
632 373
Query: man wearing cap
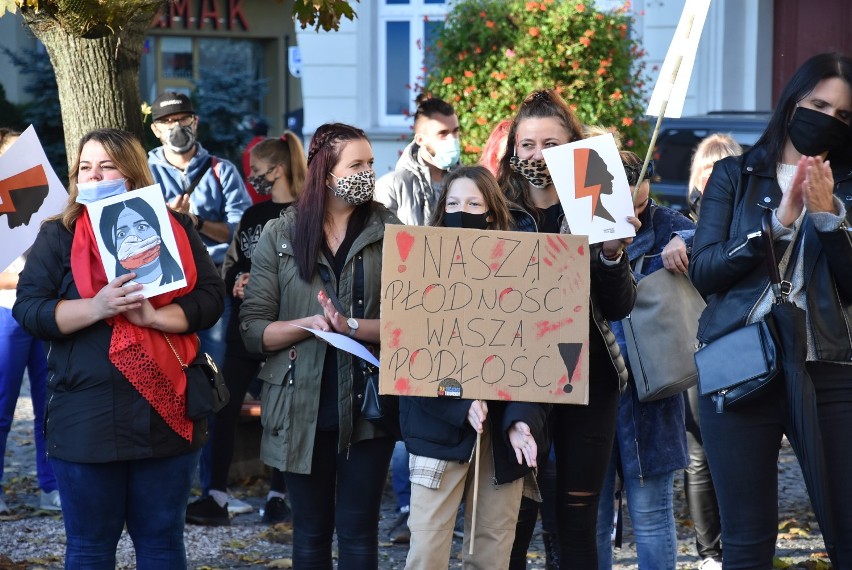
211 188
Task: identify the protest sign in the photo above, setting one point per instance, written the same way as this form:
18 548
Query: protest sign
134 233
485 314
592 187
30 191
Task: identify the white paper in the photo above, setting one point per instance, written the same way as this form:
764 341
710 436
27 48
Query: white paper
675 73
343 342
28 180
137 227
592 187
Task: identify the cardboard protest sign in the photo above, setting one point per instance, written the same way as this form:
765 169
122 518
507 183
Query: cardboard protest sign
30 191
134 233
670 90
485 315
592 187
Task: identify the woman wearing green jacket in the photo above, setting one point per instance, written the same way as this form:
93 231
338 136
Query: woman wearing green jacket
335 463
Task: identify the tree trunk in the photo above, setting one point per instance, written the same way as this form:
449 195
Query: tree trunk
98 78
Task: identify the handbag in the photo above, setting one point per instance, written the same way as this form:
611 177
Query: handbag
735 368
206 392
381 410
660 334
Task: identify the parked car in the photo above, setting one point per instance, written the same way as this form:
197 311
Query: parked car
677 141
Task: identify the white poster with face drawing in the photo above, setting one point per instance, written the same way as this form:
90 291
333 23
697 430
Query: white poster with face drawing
592 188
134 234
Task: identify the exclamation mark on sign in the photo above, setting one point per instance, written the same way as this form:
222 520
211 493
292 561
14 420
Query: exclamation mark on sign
404 243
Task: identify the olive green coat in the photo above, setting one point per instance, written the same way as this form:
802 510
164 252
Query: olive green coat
291 388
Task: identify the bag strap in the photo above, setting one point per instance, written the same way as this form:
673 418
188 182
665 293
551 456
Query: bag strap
192 185
357 288
179 359
781 288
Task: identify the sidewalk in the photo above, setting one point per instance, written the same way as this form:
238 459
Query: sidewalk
35 539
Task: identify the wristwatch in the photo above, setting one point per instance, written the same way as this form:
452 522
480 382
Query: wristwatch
353 326
199 223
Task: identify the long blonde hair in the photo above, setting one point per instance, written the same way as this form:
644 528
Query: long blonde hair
712 148
129 158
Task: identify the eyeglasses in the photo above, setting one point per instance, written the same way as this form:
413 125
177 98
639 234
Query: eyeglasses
184 121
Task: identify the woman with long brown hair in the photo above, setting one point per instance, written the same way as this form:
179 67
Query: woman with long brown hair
118 438
319 266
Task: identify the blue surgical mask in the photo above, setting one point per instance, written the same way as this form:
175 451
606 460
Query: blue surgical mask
88 192
447 152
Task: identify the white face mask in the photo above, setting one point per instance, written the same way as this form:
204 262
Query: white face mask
447 152
88 192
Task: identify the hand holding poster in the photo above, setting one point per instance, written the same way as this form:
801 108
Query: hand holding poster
134 233
592 187
485 315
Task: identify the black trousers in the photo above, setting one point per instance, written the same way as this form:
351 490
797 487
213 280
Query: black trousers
698 484
742 446
342 492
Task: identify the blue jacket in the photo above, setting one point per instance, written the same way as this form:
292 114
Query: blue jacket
220 196
651 437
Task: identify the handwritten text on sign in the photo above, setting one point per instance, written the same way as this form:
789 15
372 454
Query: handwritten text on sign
485 314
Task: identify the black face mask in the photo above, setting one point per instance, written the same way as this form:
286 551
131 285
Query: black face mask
466 220
813 133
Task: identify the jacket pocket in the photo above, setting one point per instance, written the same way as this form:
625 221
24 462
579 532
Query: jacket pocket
277 393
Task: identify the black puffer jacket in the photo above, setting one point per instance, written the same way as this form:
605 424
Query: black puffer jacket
728 263
438 427
94 414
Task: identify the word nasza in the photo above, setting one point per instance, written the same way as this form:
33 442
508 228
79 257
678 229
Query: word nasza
482 258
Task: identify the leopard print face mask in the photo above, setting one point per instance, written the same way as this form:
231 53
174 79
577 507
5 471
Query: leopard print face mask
535 171
356 188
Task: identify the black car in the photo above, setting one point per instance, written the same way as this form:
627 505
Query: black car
677 141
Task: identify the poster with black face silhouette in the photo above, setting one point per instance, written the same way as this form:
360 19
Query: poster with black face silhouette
134 234
30 191
592 188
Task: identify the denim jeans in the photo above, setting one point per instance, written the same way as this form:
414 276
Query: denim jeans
399 476
651 508
343 492
147 495
20 351
213 343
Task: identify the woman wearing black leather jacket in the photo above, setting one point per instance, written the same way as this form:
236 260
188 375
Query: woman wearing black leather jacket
801 169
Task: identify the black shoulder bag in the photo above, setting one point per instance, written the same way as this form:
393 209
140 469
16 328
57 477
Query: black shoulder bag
206 392
735 368
380 410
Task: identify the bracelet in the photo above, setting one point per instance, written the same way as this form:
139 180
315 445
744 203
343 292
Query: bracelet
199 223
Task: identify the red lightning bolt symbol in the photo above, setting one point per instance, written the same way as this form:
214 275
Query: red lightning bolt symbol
581 163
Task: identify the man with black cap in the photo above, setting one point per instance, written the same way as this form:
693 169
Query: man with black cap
194 181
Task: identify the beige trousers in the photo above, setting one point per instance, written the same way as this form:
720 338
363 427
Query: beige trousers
433 515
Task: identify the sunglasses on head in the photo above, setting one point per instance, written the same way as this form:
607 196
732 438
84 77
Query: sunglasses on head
632 172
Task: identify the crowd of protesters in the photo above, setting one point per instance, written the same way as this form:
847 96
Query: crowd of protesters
116 449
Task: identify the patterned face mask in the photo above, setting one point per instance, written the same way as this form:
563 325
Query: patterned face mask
261 184
535 171
355 188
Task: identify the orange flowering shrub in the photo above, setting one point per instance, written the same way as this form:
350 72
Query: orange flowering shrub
491 53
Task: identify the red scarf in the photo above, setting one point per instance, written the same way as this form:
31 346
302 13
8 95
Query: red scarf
142 354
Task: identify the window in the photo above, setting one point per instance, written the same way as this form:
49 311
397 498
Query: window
407 31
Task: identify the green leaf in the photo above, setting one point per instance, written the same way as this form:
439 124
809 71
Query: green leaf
322 14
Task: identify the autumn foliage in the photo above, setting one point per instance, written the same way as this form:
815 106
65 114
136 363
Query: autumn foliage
491 53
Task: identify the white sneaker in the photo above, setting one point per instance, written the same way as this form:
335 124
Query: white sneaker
238 507
4 510
50 501
709 564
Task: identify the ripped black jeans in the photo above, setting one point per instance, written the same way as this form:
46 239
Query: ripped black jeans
582 438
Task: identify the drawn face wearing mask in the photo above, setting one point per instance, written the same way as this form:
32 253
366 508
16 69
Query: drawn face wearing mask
137 245
353 178
465 206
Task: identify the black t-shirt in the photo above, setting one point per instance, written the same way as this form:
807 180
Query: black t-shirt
549 219
327 419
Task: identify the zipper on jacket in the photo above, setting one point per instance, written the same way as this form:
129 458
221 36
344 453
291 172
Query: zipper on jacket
749 237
